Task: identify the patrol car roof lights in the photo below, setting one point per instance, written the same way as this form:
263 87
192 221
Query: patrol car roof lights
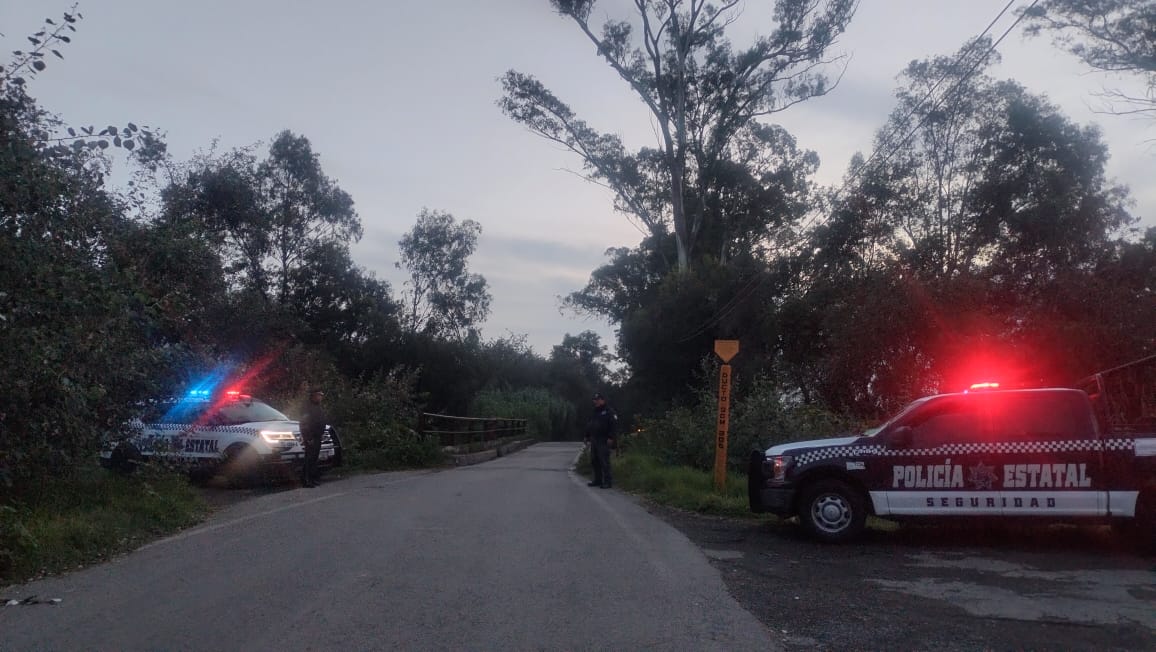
979 387
206 385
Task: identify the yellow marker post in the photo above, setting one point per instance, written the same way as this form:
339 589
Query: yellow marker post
724 349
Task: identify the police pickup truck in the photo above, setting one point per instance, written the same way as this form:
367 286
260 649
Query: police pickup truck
1057 454
205 434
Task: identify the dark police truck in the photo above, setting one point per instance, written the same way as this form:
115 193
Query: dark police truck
1082 453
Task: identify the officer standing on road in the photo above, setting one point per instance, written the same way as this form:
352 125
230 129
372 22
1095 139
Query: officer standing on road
600 436
312 429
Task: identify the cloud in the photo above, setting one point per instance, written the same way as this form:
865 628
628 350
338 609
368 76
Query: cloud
527 277
547 258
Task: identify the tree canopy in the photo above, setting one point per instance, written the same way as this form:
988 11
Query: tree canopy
443 296
962 243
1117 36
705 98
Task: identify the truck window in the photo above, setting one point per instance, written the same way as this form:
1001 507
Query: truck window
1041 416
946 422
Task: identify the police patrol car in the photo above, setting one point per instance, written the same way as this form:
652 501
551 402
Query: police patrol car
206 433
1040 453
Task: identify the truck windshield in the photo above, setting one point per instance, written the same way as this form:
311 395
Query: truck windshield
871 432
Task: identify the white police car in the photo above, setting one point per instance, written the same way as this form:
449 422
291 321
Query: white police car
206 434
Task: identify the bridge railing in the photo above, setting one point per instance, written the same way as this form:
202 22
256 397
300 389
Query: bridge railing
462 431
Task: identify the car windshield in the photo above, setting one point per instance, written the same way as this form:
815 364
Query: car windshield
247 410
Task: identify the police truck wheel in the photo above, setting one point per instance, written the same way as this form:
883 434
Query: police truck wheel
1142 528
832 511
755 481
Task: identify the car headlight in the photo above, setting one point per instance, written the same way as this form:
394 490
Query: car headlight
775 468
278 436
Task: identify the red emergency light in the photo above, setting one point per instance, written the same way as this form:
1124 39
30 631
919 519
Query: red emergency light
981 386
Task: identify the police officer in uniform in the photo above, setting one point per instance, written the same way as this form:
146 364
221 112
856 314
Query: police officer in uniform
600 436
312 429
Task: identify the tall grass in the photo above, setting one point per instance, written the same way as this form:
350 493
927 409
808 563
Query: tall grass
677 486
762 414
90 517
547 415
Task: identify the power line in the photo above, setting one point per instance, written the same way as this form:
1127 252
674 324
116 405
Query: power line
742 295
960 59
946 95
748 290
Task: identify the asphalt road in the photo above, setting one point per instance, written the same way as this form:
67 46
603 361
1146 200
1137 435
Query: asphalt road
515 554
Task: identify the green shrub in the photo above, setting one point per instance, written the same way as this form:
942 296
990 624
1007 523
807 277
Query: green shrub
683 436
377 423
379 448
91 515
546 413
765 416
760 416
677 486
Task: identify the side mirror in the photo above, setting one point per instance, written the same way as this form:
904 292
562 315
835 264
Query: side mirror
901 437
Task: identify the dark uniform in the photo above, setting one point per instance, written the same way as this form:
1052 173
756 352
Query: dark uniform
312 430
600 434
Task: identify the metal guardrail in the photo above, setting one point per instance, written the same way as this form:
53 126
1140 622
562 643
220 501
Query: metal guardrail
460 431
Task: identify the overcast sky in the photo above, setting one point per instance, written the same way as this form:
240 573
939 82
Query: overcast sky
398 98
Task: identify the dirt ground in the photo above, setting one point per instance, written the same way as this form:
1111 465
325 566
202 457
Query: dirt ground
936 588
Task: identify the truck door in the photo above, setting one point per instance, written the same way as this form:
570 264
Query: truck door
938 465
1050 458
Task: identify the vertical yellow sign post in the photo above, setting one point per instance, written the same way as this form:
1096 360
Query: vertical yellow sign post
724 349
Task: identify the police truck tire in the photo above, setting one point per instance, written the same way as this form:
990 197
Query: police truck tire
755 482
832 511
1142 528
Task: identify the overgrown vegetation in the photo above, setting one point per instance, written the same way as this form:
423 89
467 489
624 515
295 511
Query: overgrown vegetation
547 416
986 236
89 517
761 415
379 424
676 486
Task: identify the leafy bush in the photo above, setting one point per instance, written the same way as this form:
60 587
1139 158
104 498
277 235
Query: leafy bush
546 414
377 421
683 436
677 486
91 515
766 416
383 450
375 417
761 416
